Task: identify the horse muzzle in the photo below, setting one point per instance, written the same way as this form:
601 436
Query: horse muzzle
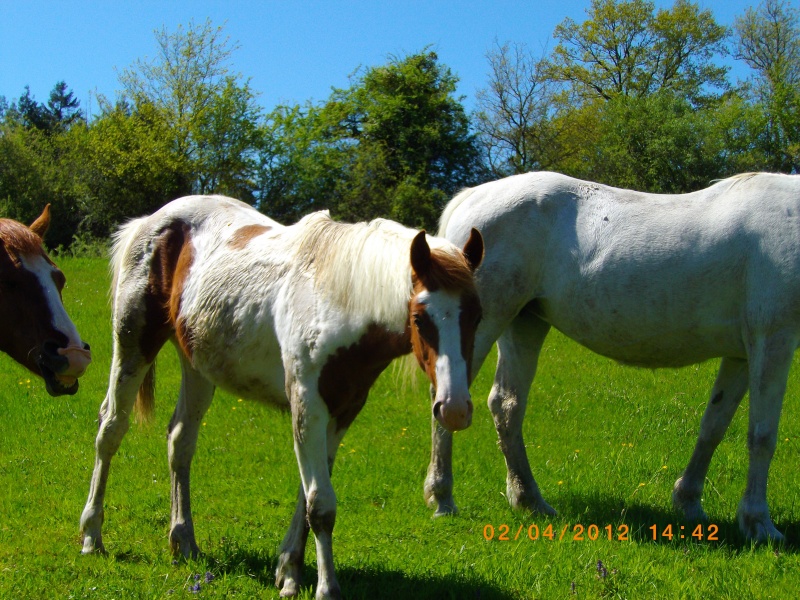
62 366
453 414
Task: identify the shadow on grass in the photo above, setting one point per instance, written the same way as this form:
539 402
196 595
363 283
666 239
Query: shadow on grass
363 582
602 510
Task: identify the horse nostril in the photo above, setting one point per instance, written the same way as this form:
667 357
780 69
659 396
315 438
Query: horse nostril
86 346
437 409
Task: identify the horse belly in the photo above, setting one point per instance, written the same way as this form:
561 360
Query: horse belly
665 329
245 362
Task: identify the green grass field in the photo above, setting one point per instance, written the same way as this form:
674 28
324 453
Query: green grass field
606 444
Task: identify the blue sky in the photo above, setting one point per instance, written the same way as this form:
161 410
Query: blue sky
293 51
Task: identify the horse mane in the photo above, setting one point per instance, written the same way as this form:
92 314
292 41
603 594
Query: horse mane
365 268
19 239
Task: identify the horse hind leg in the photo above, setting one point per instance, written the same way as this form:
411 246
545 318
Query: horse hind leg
726 395
128 371
518 354
770 361
195 397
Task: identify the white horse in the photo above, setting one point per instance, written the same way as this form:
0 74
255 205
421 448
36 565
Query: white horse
305 317
648 280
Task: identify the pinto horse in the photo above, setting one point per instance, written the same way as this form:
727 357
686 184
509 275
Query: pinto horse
305 317
648 280
35 330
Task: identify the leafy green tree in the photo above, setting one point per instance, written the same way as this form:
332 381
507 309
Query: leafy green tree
658 143
395 144
626 48
60 113
211 114
767 39
129 167
63 108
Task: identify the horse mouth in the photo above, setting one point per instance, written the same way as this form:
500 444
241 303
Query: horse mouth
58 385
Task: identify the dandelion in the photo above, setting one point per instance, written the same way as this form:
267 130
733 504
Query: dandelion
560 483
664 467
642 484
240 400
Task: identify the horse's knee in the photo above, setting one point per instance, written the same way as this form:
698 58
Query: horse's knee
321 512
110 434
507 411
762 442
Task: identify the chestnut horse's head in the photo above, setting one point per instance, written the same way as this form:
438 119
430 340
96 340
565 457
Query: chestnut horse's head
445 312
35 330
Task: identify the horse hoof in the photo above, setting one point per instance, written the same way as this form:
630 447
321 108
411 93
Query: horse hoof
328 593
688 503
759 529
536 505
290 588
91 546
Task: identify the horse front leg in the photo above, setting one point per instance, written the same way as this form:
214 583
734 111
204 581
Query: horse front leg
114 421
311 423
288 575
518 353
726 395
195 397
770 360
438 487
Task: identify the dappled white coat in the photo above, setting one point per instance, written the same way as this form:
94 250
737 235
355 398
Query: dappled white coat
648 280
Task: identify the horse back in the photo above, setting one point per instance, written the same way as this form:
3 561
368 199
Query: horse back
657 280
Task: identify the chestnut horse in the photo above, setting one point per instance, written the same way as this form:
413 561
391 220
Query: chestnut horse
648 280
305 317
35 330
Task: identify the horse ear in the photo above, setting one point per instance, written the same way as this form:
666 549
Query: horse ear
420 255
473 249
42 224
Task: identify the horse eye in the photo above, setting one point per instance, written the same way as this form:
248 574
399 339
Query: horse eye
417 320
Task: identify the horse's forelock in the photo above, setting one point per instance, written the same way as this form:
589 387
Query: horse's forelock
19 239
449 271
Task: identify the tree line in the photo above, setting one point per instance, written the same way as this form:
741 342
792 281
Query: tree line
632 96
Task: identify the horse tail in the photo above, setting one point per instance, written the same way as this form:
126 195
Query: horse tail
451 207
146 397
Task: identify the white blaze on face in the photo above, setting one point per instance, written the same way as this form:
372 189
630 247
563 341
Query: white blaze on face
452 385
44 271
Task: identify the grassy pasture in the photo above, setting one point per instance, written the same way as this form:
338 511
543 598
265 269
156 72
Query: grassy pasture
606 444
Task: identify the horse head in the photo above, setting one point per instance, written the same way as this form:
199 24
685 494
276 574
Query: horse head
445 311
35 329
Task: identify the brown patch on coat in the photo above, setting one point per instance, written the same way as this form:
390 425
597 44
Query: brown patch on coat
242 236
424 335
172 258
348 375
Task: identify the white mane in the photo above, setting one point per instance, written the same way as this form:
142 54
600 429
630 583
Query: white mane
364 268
